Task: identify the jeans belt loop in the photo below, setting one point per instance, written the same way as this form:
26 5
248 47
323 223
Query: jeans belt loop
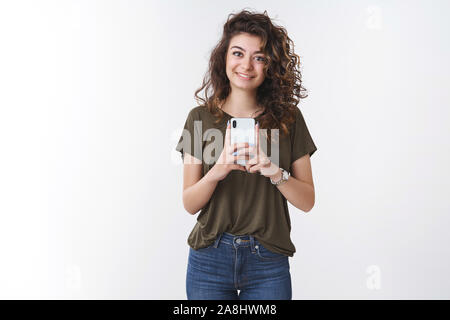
216 243
252 244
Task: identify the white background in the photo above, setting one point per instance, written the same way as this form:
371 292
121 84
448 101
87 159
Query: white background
93 97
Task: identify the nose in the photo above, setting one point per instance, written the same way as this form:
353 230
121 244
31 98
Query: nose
247 64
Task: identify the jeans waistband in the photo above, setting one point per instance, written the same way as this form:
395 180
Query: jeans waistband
243 240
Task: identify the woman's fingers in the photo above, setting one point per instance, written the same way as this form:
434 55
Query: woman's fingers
239 145
257 137
238 167
245 150
254 168
228 135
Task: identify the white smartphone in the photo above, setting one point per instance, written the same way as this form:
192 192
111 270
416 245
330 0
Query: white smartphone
242 130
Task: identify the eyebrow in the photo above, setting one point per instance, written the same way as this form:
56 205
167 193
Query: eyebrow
244 49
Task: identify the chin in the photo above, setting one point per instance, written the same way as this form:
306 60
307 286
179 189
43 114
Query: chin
252 87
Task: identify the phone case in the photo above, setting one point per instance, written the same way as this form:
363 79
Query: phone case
244 131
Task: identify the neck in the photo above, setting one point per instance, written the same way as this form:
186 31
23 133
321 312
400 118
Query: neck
240 104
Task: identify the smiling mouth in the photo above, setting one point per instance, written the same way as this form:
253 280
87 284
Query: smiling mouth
244 77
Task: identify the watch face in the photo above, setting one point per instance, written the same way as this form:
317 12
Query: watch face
285 175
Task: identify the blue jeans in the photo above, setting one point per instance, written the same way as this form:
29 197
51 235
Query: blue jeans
235 263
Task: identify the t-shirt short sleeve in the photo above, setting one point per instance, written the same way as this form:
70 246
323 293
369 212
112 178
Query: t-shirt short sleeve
191 137
302 142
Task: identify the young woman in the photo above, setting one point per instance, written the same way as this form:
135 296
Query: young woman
240 245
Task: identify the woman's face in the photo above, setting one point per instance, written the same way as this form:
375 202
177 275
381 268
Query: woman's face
244 57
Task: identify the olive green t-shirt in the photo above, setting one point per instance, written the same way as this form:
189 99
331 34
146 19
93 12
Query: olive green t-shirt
243 203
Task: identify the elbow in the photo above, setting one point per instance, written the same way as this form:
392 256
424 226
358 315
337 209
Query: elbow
313 199
308 210
305 206
311 205
187 207
191 212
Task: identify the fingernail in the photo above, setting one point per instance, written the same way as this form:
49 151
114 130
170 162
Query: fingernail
228 122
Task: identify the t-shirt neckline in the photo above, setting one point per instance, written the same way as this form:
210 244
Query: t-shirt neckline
240 117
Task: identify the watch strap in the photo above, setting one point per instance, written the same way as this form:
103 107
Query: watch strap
282 179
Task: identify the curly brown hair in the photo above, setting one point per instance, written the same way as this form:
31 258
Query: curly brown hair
282 88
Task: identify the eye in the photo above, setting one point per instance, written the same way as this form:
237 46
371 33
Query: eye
262 59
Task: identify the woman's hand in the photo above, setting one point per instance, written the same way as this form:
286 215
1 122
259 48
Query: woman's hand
260 162
226 161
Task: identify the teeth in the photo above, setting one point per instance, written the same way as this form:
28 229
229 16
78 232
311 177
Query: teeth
243 75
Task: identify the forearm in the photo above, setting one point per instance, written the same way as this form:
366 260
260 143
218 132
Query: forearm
300 194
197 196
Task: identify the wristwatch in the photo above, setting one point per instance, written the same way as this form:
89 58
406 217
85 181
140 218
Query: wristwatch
284 177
